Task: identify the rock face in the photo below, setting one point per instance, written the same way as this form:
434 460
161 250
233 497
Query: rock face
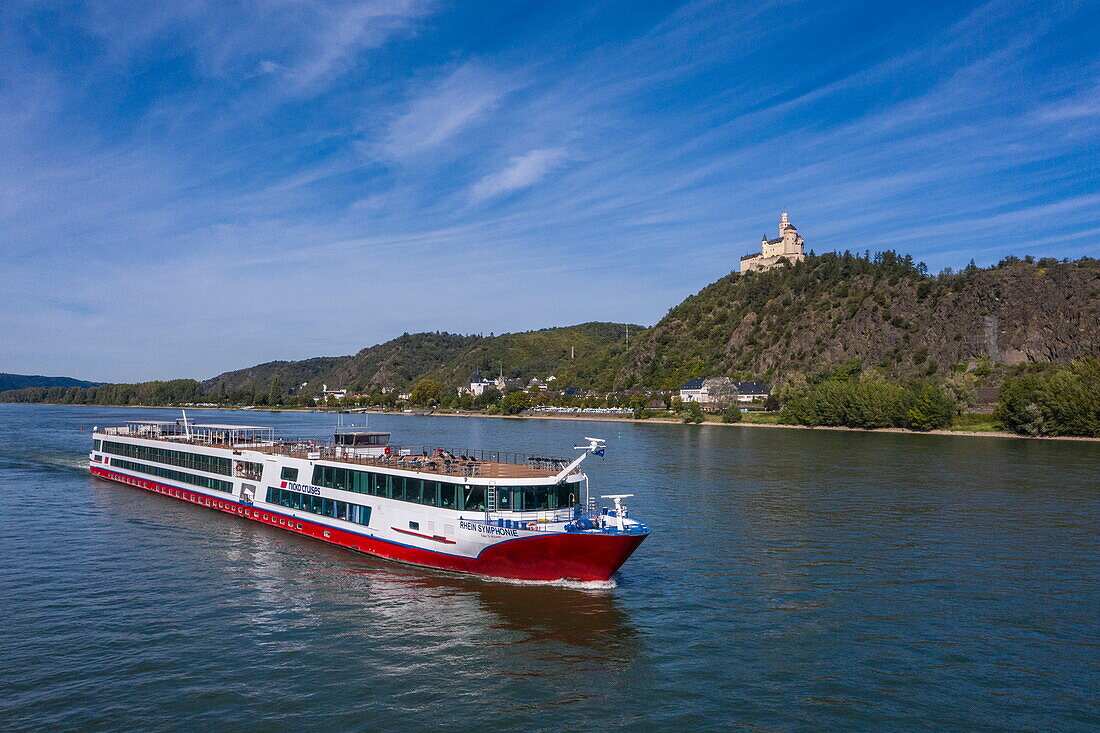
833 310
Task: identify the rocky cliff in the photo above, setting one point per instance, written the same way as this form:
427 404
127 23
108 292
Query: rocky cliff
883 312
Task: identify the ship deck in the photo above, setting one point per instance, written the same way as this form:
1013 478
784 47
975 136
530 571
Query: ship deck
482 464
422 464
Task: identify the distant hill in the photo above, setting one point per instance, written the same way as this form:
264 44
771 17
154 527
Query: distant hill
883 312
450 358
21 381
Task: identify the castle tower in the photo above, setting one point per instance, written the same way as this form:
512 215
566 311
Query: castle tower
788 246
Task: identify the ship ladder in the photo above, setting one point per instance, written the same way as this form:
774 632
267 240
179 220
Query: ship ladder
490 500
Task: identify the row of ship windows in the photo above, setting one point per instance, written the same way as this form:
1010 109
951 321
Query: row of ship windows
228 506
318 505
187 478
443 494
194 461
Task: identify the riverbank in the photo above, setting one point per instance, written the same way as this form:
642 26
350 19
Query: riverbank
961 431
717 423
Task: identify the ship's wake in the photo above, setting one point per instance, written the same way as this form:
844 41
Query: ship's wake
587 585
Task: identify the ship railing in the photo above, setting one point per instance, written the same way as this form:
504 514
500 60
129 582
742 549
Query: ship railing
425 458
459 465
540 462
538 521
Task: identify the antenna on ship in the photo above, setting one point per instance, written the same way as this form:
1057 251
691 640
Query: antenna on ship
186 426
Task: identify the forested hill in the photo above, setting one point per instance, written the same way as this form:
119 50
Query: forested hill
22 381
880 312
447 357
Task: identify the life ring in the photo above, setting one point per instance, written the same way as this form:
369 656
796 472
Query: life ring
532 526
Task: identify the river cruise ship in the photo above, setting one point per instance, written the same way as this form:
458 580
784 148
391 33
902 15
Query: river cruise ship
500 515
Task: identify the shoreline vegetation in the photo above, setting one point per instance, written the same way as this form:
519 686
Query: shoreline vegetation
1045 401
972 424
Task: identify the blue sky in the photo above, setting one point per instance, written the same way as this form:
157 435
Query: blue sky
192 187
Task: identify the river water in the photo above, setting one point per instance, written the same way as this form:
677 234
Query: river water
794 580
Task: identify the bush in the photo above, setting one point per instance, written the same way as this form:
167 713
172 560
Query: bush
870 404
1065 402
732 414
692 413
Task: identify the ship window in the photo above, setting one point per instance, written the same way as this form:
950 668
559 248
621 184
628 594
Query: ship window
447 495
473 498
319 505
430 494
195 461
168 473
289 474
414 525
96 444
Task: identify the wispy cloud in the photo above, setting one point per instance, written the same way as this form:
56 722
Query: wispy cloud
444 108
522 171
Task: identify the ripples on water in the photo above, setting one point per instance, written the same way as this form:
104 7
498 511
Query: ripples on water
795 579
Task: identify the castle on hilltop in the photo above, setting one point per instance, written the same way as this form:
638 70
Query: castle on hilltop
787 246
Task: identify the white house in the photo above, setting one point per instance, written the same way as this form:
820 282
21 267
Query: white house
720 390
694 390
752 391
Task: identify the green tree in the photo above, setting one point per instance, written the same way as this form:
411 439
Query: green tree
1066 402
486 399
514 403
427 392
692 413
275 393
931 409
731 414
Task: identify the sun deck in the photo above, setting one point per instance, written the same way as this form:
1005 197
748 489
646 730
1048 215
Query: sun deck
238 438
471 466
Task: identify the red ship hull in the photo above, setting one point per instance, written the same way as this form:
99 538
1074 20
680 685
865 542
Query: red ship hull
555 556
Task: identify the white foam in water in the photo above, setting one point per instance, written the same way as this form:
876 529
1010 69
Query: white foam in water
563 583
